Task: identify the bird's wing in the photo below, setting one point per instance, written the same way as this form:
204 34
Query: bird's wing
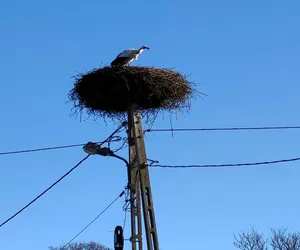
120 61
127 53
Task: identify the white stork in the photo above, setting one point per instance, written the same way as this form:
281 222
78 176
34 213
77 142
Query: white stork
127 56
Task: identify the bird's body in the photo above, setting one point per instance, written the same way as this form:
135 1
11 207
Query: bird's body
127 56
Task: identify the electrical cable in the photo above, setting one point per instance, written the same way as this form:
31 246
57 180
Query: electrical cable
47 148
114 138
119 196
125 141
45 191
61 178
125 207
123 124
41 149
228 165
124 222
151 130
121 158
118 138
221 129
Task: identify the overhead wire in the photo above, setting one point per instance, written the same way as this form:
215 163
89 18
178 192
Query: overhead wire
109 139
153 130
41 149
153 165
222 129
227 165
45 191
123 145
121 158
60 179
50 148
102 212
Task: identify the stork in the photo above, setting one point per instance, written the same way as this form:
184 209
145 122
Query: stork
127 56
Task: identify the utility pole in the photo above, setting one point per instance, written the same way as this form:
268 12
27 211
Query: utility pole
134 187
139 184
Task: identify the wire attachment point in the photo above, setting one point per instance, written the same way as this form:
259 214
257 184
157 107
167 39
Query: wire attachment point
152 162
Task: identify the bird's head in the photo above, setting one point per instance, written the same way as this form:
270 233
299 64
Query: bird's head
145 47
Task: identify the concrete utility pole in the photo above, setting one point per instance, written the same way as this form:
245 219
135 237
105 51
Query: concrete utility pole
139 182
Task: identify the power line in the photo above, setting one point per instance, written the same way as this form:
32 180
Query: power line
45 191
109 139
119 196
228 165
152 130
221 129
45 149
61 178
41 149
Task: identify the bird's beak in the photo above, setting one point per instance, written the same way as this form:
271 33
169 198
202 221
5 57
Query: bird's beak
147 47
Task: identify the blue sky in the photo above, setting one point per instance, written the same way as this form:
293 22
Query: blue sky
243 54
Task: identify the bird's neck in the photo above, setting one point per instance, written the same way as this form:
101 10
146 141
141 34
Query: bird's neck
141 50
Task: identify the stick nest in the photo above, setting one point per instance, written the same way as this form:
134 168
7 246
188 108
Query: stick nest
107 92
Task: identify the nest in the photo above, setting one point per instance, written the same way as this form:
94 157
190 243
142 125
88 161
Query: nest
107 92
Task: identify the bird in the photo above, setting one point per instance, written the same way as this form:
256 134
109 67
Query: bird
127 56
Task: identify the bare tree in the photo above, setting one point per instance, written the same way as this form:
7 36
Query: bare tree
279 240
250 241
81 246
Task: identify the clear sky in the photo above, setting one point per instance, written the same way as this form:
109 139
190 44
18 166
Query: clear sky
244 54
